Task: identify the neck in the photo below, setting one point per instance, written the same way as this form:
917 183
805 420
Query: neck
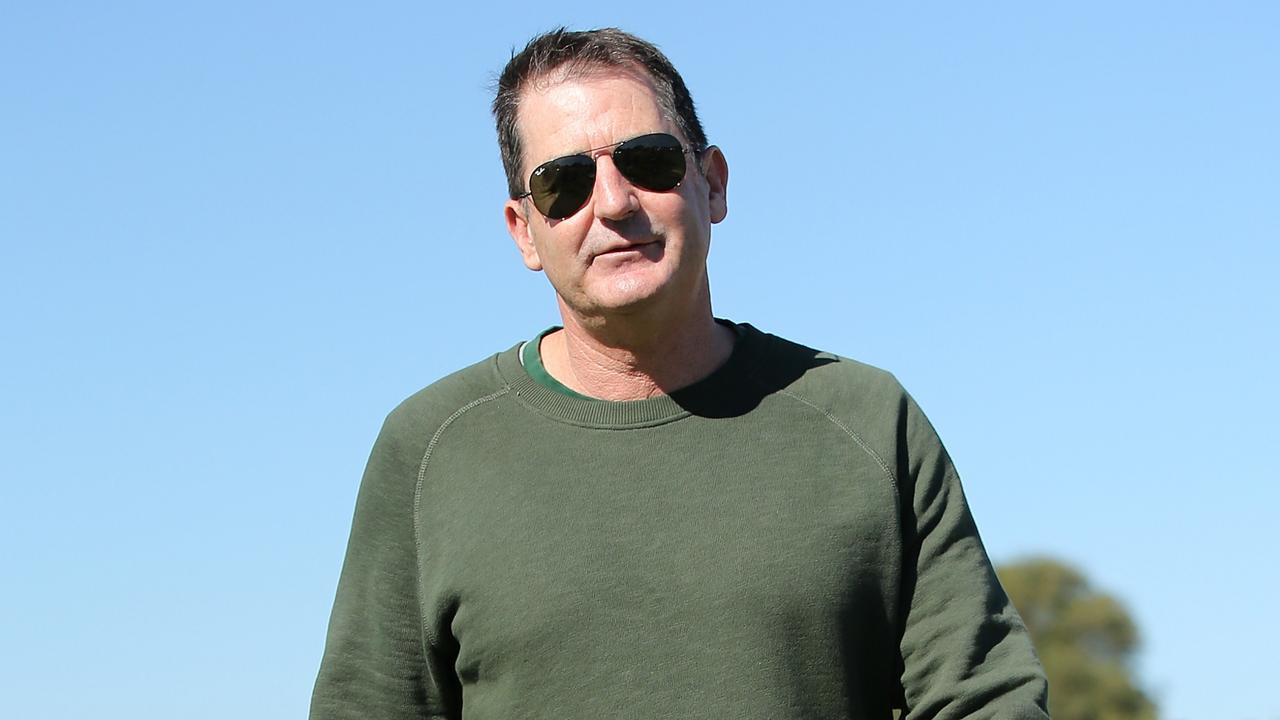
633 358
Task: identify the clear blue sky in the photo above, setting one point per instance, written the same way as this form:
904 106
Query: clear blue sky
234 235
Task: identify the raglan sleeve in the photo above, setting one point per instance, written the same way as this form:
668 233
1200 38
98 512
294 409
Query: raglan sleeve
965 652
376 663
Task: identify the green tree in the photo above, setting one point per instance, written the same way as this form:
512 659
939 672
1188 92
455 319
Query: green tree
1085 639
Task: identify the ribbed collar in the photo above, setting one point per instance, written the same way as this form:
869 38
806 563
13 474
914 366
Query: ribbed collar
720 394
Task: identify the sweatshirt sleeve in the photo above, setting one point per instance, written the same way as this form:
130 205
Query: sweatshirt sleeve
374 665
965 652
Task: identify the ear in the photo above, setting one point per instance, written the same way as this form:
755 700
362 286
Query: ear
516 213
716 170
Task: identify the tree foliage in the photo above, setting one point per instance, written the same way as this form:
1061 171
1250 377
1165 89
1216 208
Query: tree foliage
1085 639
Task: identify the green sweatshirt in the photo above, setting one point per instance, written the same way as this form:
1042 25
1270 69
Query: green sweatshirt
786 538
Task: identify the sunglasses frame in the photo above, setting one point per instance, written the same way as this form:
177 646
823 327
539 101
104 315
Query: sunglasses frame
592 155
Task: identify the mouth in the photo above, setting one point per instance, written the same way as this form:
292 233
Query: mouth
635 247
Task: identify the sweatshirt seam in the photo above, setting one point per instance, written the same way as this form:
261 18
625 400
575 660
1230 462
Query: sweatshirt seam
866 448
884 467
514 387
417 499
754 374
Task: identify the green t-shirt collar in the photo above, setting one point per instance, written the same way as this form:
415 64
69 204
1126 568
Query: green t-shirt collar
531 359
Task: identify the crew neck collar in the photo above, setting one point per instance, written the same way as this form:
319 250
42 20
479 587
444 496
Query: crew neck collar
531 358
715 395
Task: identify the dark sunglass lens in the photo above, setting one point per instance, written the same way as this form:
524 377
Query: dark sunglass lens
561 187
654 162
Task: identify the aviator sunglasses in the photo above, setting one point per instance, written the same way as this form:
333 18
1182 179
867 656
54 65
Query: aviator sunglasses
561 187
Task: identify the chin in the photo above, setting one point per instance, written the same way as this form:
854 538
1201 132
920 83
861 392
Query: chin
622 289
617 300
622 305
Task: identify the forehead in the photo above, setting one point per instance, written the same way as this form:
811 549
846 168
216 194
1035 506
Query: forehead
567 113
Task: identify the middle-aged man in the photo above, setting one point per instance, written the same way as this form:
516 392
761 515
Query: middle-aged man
650 512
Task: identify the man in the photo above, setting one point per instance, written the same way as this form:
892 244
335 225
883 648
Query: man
649 512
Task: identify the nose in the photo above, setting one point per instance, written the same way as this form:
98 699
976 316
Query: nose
614 197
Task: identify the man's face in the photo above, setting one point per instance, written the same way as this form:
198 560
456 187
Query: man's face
628 248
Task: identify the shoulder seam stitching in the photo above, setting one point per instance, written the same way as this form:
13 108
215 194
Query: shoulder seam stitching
417 493
893 480
884 467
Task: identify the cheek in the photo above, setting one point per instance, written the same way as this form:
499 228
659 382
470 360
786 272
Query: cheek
693 222
558 253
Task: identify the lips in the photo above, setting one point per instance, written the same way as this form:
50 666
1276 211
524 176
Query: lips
613 249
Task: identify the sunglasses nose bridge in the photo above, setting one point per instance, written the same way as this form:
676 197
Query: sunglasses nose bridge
614 196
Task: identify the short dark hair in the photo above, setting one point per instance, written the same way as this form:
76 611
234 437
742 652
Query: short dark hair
581 52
